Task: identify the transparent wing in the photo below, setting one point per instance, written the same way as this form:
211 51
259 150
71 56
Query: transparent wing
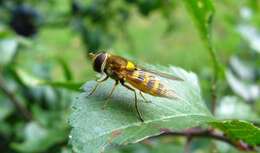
161 74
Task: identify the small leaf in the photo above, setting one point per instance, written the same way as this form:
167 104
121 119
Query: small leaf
33 81
6 129
75 86
7 50
250 34
27 78
93 129
39 139
249 92
66 70
242 69
232 107
6 108
240 130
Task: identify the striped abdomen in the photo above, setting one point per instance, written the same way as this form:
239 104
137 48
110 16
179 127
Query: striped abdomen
148 83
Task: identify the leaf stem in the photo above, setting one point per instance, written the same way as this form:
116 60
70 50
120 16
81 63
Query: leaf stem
215 78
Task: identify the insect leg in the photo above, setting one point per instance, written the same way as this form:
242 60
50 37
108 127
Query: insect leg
110 94
98 82
147 101
136 106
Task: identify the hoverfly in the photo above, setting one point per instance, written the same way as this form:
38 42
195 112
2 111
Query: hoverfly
130 76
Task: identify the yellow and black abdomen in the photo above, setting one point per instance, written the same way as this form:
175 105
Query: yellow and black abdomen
148 83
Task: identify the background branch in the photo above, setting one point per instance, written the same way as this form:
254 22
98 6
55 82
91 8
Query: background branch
208 133
24 112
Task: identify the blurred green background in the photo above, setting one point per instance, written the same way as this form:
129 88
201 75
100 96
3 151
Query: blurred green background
44 46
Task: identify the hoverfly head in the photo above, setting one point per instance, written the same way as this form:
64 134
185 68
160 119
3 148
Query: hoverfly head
99 61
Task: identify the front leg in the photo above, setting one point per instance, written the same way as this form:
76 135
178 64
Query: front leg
98 83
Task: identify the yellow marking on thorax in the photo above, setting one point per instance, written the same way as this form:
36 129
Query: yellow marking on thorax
130 66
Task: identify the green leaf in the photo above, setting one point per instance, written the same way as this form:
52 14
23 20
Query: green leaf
5 128
202 12
66 70
240 130
249 92
38 138
232 107
93 129
26 78
33 81
75 86
48 129
6 108
7 50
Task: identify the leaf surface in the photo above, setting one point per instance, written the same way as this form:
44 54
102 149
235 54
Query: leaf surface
93 129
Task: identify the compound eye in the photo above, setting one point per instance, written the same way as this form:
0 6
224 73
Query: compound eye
99 62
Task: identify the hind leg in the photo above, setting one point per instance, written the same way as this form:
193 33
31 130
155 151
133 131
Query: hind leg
147 101
136 106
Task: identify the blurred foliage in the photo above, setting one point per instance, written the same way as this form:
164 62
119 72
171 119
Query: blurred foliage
43 50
